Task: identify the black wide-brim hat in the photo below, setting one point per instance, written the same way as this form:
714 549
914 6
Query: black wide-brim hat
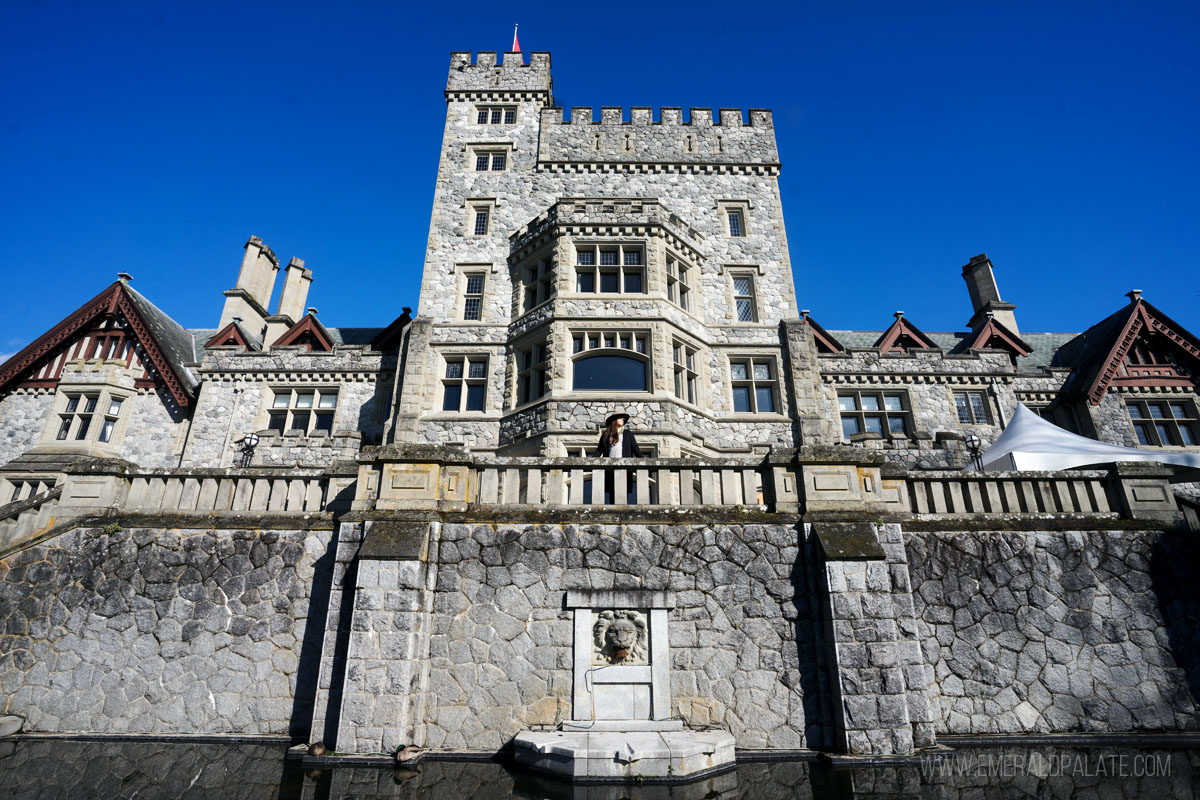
619 415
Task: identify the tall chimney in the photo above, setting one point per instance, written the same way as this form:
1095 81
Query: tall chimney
256 280
985 296
296 280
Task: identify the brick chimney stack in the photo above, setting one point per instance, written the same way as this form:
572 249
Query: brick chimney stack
985 296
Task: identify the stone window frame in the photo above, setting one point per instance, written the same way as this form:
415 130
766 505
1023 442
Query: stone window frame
602 345
881 412
754 273
1149 431
772 383
463 275
685 377
679 291
739 207
475 206
316 416
467 378
62 427
492 150
535 277
622 247
492 109
531 361
973 413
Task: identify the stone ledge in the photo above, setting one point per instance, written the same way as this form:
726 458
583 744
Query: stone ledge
618 598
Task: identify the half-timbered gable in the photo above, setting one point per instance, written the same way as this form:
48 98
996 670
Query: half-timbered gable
117 363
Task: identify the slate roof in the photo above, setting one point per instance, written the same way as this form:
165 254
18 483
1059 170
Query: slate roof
351 336
1044 345
175 341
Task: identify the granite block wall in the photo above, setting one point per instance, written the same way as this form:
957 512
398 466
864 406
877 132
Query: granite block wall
24 414
1047 632
742 637
153 437
162 631
885 688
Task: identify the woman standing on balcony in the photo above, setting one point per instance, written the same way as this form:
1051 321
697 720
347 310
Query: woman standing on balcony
616 441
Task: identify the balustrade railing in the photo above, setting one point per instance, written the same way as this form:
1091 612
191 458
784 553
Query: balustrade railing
1074 492
197 492
636 482
31 513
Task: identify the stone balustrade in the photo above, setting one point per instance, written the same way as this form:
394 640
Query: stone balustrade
957 492
31 513
809 481
187 492
640 482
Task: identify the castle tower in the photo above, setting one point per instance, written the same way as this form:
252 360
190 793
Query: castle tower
584 266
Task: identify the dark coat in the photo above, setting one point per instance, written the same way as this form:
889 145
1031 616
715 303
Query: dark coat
629 446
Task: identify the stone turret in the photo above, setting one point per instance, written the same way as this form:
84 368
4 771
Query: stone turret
488 77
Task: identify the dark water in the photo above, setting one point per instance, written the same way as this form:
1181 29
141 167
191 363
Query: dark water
74 769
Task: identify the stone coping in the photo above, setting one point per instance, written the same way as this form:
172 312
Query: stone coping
618 598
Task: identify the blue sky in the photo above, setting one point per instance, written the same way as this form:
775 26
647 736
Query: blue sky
1060 138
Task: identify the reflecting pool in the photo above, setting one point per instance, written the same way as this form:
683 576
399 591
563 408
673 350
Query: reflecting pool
147 770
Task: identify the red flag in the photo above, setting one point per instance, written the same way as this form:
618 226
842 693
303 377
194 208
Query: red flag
516 48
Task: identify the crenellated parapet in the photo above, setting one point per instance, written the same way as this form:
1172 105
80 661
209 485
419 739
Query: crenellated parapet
488 79
728 142
620 215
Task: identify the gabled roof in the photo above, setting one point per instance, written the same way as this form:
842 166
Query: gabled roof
167 345
826 342
903 335
234 334
390 336
1096 354
308 331
994 336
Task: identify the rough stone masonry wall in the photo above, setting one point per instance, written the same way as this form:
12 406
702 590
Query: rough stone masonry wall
23 416
239 388
742 638
160 631
1047 632
152 437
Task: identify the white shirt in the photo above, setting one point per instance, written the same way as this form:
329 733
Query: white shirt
614 447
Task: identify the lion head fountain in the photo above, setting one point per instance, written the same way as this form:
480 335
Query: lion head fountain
620 638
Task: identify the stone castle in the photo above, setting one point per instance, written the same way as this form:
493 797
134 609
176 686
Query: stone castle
400 536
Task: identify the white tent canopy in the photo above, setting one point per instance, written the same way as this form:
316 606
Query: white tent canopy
1031 443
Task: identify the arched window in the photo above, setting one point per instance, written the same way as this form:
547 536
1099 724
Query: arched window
610 372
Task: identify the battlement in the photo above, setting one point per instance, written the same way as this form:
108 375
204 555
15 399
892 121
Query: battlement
597 213
487 75
637 138
640 116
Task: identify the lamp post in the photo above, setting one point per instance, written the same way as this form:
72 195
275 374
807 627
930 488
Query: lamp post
973 444
249 442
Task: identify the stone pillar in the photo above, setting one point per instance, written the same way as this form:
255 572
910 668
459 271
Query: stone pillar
884 688
804 379
1143 492
386 676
